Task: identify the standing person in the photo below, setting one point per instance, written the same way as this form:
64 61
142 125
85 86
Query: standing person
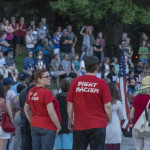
113 130
9 31
64 139
15 27
86 42
115 64
143 55
56 40
4 106
65 45
73 37
105 67
89 97
97 49
20 40
140 101
45 118
102 43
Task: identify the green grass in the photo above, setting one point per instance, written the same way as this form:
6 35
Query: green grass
19 60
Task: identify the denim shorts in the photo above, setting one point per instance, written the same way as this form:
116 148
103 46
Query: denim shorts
131 91
64 141
144 61
42 139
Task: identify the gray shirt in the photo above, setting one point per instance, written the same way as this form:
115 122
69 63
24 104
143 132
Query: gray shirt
9 62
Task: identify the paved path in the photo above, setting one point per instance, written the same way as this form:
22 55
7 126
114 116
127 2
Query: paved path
127 144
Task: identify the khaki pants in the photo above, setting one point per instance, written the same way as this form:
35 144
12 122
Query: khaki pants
142 142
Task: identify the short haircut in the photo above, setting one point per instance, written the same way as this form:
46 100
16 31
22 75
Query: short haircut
20 87
65 84
91 63
112 66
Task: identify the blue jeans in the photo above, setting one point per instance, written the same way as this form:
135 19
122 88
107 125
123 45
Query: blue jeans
42 139
102 56
82 55
95 137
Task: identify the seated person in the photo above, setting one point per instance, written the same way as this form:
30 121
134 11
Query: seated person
3 68
115 64
66 65
76 65
39 61
11 64
3 43
29 64
44 46
55 68
112 75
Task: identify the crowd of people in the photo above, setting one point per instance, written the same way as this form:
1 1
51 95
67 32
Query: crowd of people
82 109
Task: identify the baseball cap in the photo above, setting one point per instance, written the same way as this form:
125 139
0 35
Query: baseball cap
7 81
65 30
22 76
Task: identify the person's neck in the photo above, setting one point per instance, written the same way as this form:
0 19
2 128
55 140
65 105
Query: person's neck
89 73
40 85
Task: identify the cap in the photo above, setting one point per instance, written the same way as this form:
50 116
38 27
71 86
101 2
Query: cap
65 30
7 81
22 76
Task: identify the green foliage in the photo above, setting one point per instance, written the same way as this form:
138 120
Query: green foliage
92 11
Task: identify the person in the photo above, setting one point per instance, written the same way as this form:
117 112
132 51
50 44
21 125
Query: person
4 106
29 65
97 49
90 117
59 29
65 45
140 101
105 67
112 75
64 139
102 44
76 65
39 61
56 40
9 32
3 68
3 43
21 80
115 64
66 66
25 125
41 32
30 41
113 130
45 118
86 42
15 106
143 55
73 37
131 82
20 39
10 64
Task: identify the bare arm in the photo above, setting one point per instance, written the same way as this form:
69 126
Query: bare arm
132 113
75 41
70 114
73 67
149 115
27 110
55 41
81 32
9 110
53 116
108 111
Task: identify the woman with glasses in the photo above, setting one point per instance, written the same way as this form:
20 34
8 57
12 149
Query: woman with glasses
45 118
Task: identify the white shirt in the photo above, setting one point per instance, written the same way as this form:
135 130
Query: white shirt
2 62
29 38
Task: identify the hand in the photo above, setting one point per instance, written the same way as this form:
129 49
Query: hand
58 130
70 124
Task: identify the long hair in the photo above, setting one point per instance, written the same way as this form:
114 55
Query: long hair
145 91
6 89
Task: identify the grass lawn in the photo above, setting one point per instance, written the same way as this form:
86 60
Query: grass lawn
19 60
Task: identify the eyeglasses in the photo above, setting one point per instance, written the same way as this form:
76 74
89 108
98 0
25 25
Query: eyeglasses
46 77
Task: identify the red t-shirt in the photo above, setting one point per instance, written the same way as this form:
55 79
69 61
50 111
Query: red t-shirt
139 104
14 26
20 32
89 94
38 102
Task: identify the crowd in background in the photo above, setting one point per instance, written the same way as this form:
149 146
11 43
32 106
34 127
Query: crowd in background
58 54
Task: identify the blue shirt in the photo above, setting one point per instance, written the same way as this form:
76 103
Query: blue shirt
28 63
14 88
40 47
76 65
57 40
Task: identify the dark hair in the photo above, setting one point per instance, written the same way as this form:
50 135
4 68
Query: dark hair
65 84
20 87
131 71
1 77
2 91
38 74
112 66
91 63
114 92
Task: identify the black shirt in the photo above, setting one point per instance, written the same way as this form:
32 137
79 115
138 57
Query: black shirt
61 97
98 54
131 80
66 48
113 77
